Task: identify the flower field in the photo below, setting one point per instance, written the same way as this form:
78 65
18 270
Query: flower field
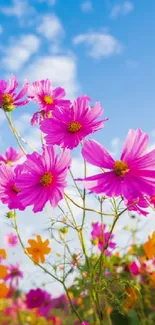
101 282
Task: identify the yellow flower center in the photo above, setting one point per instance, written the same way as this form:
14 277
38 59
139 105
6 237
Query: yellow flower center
46 179
120 168
9 162
15 189
74 127
7 102
48 99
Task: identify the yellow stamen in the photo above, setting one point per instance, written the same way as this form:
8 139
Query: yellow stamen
120 168
46 179
15 189
7 102
74 127
48 99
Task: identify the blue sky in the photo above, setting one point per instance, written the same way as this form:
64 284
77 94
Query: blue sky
102 48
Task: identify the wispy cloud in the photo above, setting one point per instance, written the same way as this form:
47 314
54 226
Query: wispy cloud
121 9
50 27
99 44
1 29
21 50
87 6
18 8
60 69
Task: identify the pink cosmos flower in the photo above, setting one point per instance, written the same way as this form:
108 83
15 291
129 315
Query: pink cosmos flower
8 98
45 178
11 239
46 306
12 157
98 233
134 268
84 323
133 176
34 298
42 93
138 207
8 188
70 125
14 274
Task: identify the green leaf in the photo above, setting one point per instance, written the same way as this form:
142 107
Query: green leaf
119 319
133 318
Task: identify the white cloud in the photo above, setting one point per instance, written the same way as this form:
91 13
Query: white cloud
121 9
87 6
116 146
21 50
1 29
50 27
99 44
60 69
22 123
19 8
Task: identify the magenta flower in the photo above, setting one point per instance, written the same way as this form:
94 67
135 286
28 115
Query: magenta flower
84 323
42 93
14 274
102 237
45 178
8 189
46 306
12 157
11 239
139 207
8 98
70 125
34 298
133 176
134 268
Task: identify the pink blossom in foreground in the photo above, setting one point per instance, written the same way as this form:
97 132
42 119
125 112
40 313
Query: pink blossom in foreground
70 125
45 178
34 298
11 157
8 97
8 189
100 235
134 268
11 239
14 274
139 207
47 98
84 323
46 306
133 176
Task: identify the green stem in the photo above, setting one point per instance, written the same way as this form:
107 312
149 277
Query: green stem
86 209
45 270
15 133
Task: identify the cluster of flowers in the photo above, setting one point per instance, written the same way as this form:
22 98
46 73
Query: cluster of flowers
136 269
42 177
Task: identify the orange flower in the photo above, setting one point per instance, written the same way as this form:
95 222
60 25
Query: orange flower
3 271
3 290
152 280
3 254
149 246
38 249
131 299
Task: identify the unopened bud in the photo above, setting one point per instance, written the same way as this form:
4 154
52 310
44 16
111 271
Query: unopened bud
64 230
10 215
8 107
